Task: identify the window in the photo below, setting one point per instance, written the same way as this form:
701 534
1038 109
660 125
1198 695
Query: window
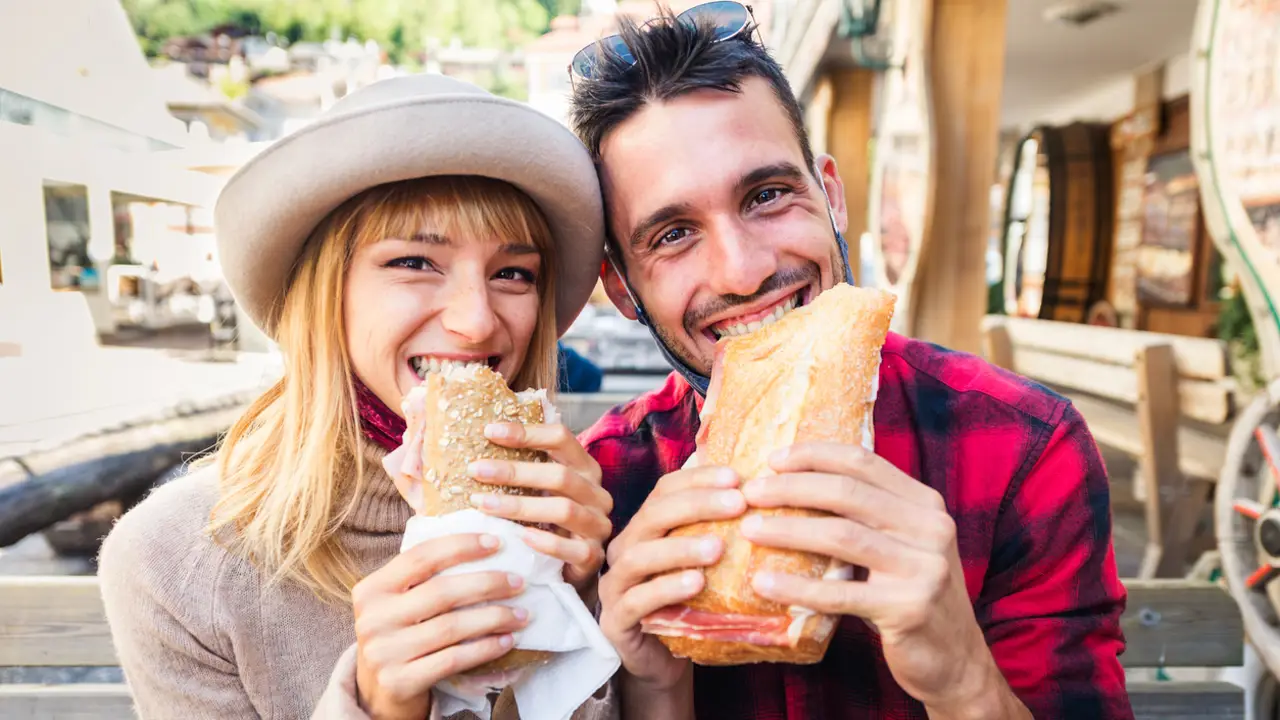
66 214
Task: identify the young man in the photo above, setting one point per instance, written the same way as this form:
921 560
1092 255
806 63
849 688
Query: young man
983 516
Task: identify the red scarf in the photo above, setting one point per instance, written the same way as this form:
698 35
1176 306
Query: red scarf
380 423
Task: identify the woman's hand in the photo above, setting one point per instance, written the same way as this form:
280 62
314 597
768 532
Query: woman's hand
415 628
575 501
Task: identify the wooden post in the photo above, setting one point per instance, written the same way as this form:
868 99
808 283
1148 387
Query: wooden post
997 347
1157 410
966 67
848 141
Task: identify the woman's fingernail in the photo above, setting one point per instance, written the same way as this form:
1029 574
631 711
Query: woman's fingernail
488 502
764 581
754 487
515 580
730 500
506 641
752 525
489 542
497 431
521 614
779 455
709 548
483 469
690 579
726 478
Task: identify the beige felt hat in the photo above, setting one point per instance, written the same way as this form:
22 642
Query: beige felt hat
400 129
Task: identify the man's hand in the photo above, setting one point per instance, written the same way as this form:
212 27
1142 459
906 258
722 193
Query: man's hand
914 595
649 571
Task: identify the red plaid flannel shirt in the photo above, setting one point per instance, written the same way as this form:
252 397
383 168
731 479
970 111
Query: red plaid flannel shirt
1024 481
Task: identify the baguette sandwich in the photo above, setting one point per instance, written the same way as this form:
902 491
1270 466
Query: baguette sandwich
446 416
811 376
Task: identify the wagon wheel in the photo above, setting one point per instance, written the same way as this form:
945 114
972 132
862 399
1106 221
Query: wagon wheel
1247 522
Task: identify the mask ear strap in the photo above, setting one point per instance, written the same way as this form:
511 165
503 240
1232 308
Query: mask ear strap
635 301
840 241
696 380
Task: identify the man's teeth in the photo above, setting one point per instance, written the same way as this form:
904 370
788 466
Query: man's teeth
424 365
754 325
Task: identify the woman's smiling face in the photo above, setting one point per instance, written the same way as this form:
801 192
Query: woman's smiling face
441 283
431 298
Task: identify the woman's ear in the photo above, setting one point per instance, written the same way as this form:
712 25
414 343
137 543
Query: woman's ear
616 288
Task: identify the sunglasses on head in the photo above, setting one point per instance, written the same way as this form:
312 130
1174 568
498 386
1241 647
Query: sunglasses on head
729 19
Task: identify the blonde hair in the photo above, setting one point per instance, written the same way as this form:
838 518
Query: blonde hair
290 468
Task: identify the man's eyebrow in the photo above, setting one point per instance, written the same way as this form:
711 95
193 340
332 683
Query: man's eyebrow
664 215
776 171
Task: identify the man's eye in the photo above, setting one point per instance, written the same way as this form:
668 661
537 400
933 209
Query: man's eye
766 196
411 263
519 274
672 236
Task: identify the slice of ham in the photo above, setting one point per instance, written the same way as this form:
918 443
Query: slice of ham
681 621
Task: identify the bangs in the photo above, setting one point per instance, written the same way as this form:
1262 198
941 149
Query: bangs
466 208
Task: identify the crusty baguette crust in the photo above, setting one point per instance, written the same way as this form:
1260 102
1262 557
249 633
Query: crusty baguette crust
809 377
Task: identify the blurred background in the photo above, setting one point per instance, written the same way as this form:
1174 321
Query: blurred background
1086 192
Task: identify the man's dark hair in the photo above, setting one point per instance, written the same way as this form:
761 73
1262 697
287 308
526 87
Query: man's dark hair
673 58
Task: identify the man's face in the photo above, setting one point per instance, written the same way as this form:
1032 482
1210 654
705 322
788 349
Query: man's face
721 226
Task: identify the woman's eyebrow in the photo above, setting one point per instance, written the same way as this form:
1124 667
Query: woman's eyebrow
431 238
519 248
509 248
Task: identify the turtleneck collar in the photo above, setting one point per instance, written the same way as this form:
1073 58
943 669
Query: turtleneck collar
380 508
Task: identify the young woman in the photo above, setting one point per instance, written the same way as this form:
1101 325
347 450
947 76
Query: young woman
420 219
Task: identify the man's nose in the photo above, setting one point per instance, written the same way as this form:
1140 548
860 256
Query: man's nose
468 313
739 265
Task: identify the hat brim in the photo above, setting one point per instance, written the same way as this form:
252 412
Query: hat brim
269 208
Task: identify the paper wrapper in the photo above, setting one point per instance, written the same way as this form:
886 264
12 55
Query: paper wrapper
559 622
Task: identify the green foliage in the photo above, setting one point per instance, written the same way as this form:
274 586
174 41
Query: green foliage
400 26
1235 326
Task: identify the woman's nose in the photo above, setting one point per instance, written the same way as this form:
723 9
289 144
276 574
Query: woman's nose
468 313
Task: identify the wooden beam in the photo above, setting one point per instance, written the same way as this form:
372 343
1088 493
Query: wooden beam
965 71
1197 358
1181 623
70 702
1186 701
1207 401
848 141
110 466
54 621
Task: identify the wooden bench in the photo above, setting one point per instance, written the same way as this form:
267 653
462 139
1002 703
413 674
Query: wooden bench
59 621
1165 400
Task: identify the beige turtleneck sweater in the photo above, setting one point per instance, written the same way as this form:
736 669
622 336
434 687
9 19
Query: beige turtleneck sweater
200 634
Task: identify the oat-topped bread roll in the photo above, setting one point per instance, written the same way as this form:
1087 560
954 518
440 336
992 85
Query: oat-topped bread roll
446 416
811 376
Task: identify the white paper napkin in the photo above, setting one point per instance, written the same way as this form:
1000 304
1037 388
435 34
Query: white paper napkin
559 622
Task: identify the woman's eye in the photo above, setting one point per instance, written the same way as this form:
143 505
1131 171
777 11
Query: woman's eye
519 274
411 263
672 236
766 196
